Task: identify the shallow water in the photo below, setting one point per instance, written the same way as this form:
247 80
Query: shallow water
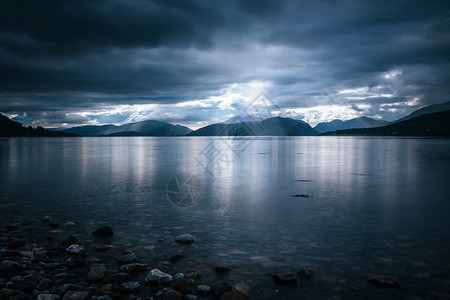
374 206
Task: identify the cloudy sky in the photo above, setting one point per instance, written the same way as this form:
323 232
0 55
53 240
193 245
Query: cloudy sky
69 63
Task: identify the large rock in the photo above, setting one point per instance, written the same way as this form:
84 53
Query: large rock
10 268
185 239
234 295
388 281
156 276
96 274
219 288
104 231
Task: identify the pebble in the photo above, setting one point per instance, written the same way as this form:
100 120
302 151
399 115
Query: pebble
52 265
75 249
10 268
130 286
222 269
44 284
178 276
75 295
127 258
185 239
69 240
47 297
156 276
96 274
203 290
172 295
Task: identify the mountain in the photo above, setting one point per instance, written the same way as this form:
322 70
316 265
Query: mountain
240 119
427 110
276 126
10 128
144 128
361 122
432 124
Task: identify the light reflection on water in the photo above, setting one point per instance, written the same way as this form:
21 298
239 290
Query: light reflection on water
372 200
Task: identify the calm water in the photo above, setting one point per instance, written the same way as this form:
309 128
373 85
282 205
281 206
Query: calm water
376 206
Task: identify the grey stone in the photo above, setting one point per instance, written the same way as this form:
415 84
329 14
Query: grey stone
185 239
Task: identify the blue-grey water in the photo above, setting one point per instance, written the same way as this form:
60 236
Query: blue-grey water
374 206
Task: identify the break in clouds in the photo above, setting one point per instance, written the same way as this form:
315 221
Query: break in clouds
199 62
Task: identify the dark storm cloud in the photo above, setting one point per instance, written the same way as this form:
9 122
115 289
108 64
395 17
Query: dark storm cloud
73 56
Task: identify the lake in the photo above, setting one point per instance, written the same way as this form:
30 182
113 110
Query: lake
346 207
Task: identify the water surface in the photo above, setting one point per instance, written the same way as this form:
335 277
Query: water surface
374 206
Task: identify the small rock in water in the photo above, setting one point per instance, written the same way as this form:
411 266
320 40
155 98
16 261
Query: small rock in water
219 288
75 249
285 277
234 295
178 276
69 240
44 284
305 273
203 290
75 295
175 258
47 219
388 281
301 196
96 274
104 231
68 224
185 239
127 258
222 269
130 286
133 268
47 297
172 295
158 277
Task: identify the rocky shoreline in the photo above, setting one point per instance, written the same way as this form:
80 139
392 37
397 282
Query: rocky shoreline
63 268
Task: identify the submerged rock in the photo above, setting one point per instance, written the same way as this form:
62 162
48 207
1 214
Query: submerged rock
388 281
158 277
285 277
306 273
128 258
75 295
222 269
185 239
133 268
203 290
175 258
69 240
219 288
96 274
104 231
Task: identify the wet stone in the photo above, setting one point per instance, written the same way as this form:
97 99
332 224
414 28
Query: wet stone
75 249
75 295
306 273
203 290
185 239
51 265
25 285
285 277
387 281
96 274
178 276
222 270
134 268
47 297
104 231
123 277
219 288
234 295
127 258
69 240
10 268
130 286
172 295
156 276
102 248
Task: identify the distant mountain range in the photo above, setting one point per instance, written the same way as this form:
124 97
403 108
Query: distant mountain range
10 128
276 126
144 128
432 124
361 122
427 121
